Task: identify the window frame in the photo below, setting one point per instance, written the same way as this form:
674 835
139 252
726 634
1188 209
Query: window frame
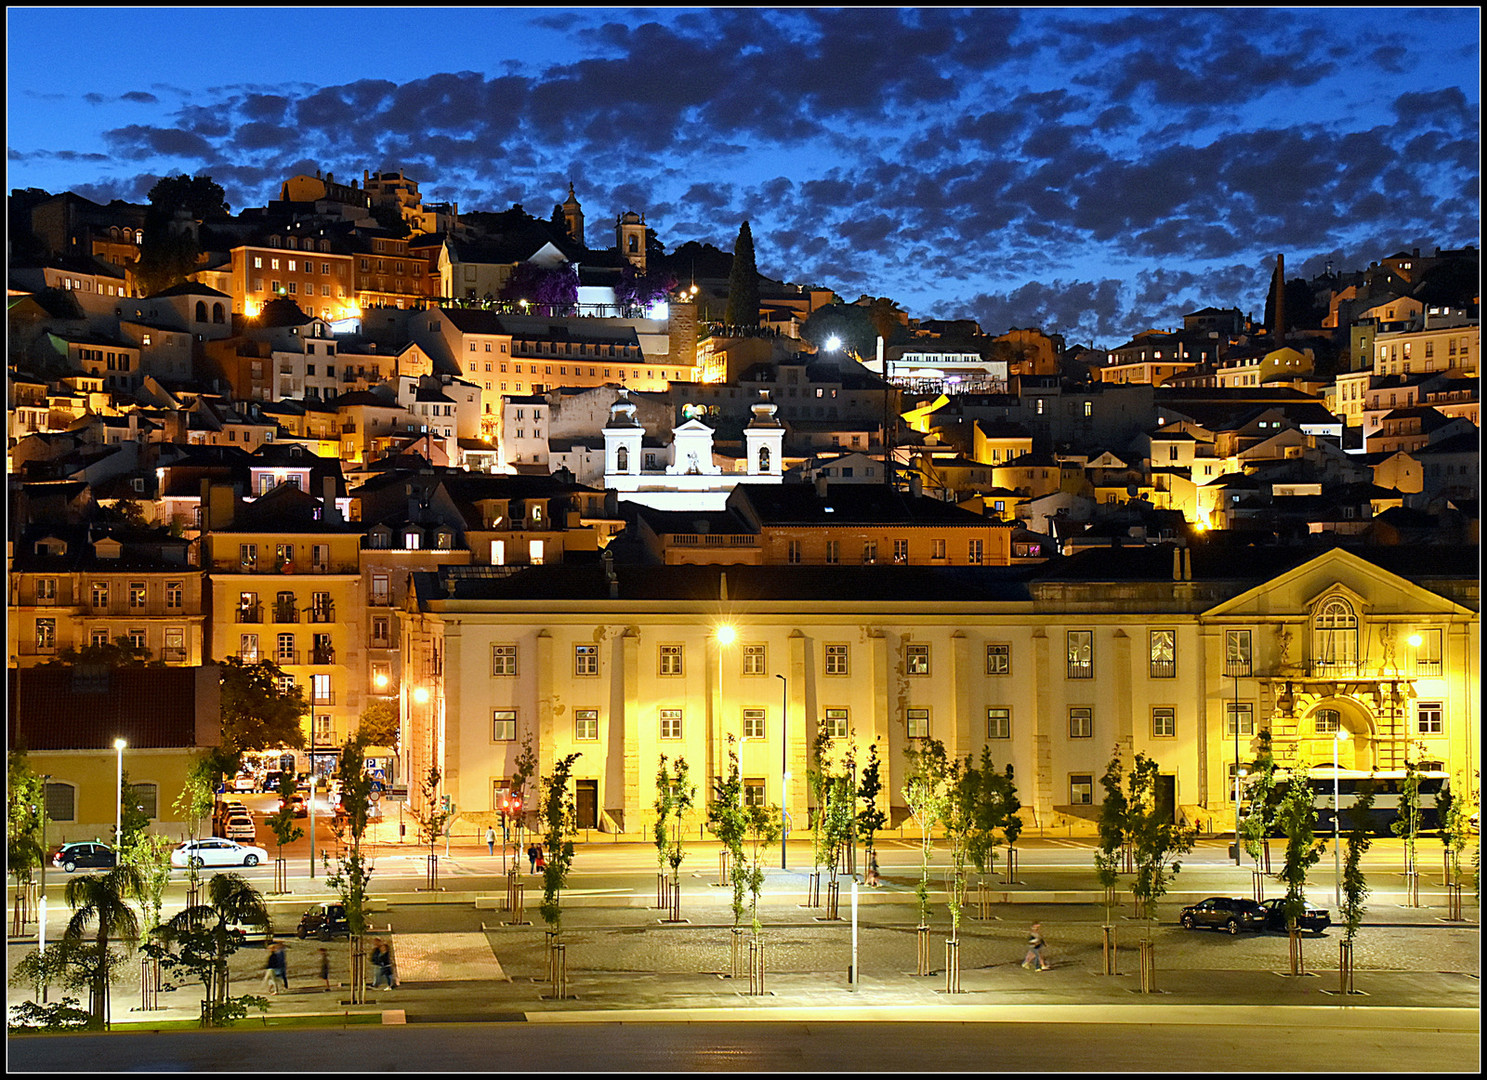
1157 666
998 721
581 719
1081 721
915 651
832 658
999 658
504 657
585 660
919 714
1167 713
665 653
670 718
499 718
1076 641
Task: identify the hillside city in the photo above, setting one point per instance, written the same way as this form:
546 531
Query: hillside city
471 481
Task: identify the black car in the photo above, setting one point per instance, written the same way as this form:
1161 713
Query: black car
87 855
1229 913
1313 918
324 921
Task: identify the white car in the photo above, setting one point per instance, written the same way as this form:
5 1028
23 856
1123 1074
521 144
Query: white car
214 851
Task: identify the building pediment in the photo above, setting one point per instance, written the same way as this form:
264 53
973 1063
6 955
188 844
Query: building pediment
1296 591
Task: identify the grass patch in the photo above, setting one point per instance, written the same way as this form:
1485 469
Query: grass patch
324 1020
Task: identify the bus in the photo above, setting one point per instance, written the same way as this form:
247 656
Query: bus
1387 787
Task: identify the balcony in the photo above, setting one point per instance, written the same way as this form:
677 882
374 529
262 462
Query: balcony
325 613
286 657
379 642
324 655
379 599
323 697
173 656
250 614
286 613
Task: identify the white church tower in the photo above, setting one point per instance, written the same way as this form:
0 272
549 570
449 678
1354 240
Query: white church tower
764 440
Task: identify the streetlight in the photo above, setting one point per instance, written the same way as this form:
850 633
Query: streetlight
784 770
119 745
1339 737
725 635
41 902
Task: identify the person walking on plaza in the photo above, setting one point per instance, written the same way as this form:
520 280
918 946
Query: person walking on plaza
490 838
533 854
1034 957
872 870
381 967
325 967
270 968
281 964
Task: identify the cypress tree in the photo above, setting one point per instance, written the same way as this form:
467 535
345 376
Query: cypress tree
743 282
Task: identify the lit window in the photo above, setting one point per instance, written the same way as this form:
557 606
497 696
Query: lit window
836 660
1081 722
836 723
503 725
918 720
754 660
999 659
671 659
916 659
1163 722
753 723
585 659
998 723
671 723
586 725
503 660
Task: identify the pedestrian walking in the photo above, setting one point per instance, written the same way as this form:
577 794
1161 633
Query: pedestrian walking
1035 943
872 869
270 968
490 838
381 966
281 964
325 967
534 852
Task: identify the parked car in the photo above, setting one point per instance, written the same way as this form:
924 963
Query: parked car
271 781
324 921
215 851
1313 918
297 803
87 855
240 827
1231 913
244 782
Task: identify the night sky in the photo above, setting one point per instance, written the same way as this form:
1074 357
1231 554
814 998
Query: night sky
1090 172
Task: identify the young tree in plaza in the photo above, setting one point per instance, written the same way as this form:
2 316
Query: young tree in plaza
526 769
1260 818
1156 843
762 828
817 775
870 818
1112 830
353 869
727 821
1455 818
925 791
995 807
1407 825
203 937
1297 819
560 819
25 812
102 900
838 825
1354 885
675 795
285 831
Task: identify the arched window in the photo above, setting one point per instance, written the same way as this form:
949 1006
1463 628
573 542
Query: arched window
218 314
764 459
201 311
622 459
1335 634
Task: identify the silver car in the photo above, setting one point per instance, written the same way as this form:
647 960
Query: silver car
214 851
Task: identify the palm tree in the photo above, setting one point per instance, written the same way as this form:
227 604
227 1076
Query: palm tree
104 899
232 901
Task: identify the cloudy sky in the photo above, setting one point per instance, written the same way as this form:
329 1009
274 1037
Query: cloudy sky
1089 171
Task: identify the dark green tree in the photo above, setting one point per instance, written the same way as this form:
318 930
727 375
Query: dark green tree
743 282
560 820
926 792
1455 819
1354 885
870 818
378 725
25 810
1156 842
103 900
850 323
120 653
1297 818
1112 829
353 870
202 939
727 821
200 196
257 712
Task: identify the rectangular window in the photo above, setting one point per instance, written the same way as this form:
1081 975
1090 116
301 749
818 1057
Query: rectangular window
1081 722
1081 785
1428 717
1428 653
671 659
503 660
320 690
1080 646
836 723
100 595
1237 655
248 556
503 725
1163 647
585 660
60 802
900 551
754 660
285 653
248 648
792 554
974 554
671 723
1163 722
998 722
937 549
916 659
918 723
836 660
172 596
99 639
833 551
753 723
1326 721
586 725
46 635
869 551
999 659
1239 718
136 594
753 791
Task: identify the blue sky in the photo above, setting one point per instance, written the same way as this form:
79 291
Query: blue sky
1089 171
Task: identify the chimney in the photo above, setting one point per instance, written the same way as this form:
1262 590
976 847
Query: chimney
916 485
1177 564
1280 299
821 485
329 513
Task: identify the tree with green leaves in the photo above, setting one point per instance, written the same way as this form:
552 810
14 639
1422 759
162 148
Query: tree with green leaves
1260 818
925 791
1354 885
258 712
995 807
727 821
1156 840
762 828
103 901
203 937
285 831
743 282
1407 826
133 820
675 794
25 814
526 769
378 724
870 819
353 870
816 775
150 855
1112 829
1297 818
121 652
1455 818
960 818
560 821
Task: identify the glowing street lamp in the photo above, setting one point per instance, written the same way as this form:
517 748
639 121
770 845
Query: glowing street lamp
119 745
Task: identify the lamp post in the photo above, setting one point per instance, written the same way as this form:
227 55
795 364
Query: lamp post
1234 720
725 635
119 745
41 900
784 770
1338 738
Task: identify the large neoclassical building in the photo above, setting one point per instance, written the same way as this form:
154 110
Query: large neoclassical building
1180 654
